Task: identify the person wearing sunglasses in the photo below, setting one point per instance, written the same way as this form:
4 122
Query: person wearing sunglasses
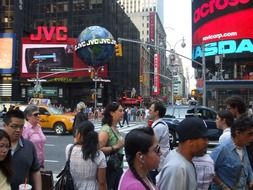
33 132
178 171
143 155
5 161
25 164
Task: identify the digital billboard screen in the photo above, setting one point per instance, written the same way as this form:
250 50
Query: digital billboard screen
7 53
49 58
223 27
53 57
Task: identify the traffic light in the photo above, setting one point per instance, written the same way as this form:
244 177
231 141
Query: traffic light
93 96
118 50
141 78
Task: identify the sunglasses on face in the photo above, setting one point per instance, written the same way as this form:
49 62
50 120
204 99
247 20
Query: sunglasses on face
36 114
157 149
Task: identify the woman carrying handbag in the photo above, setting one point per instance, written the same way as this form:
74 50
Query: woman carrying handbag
87 163
111 143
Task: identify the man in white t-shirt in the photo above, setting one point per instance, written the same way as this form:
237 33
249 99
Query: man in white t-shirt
178 171
161 130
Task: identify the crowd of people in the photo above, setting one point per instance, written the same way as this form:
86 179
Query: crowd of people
96 158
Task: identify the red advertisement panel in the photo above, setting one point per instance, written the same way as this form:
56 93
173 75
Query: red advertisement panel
53 56
157 88
223 27
152 26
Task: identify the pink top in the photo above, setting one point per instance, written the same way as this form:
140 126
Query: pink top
37 137
129 182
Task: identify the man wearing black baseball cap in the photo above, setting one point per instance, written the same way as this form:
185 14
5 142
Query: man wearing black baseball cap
192 136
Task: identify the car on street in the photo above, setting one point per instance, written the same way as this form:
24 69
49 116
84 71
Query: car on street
177 113
53 119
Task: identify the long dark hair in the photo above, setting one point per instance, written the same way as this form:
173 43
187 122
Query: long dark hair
89 140
138 140
5 165
112 107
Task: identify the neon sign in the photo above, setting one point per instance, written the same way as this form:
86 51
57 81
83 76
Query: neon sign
224 47
59 31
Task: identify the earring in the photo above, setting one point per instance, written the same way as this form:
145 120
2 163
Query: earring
142 160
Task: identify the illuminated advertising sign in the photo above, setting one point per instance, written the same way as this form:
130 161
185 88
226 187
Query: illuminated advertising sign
156 90
60 33
223 26
7 58
152 26
51 51
50 57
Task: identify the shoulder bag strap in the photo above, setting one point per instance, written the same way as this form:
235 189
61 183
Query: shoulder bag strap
160 122
67 164
114 134
70 151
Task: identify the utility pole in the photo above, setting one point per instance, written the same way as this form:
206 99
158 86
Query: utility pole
203 74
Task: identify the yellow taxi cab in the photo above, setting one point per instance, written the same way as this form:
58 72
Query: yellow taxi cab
53 118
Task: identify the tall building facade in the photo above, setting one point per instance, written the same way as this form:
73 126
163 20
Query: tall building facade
146 15
22 18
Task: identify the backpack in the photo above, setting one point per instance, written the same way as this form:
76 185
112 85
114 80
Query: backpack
164 123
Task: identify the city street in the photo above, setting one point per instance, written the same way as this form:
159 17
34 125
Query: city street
55 146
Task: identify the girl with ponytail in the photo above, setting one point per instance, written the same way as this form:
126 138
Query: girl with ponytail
143 155
87 162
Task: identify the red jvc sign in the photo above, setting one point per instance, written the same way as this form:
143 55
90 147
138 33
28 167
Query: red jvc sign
48 33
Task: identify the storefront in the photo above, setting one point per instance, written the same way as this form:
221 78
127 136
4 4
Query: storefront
218 91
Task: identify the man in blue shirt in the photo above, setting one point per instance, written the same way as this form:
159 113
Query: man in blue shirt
24 158
232 167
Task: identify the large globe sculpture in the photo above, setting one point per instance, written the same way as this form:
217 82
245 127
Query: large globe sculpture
95 46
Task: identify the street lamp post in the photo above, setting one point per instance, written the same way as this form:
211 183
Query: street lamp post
37 90
204 74
172 59
95 79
